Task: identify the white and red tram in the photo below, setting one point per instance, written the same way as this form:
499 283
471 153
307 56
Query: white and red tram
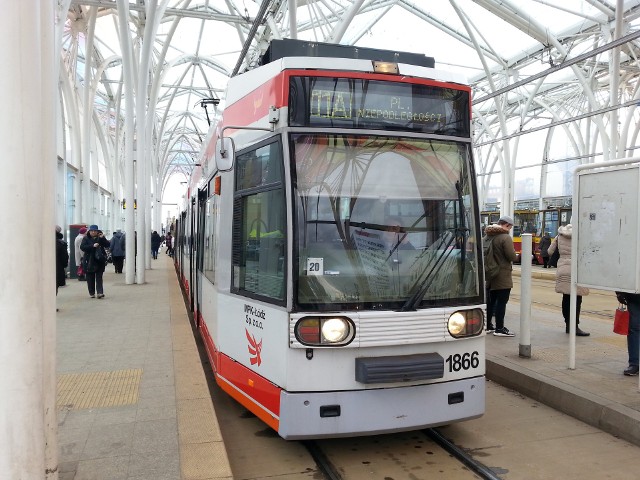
329 245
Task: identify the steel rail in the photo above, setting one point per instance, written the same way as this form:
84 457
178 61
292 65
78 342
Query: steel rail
324 465
467 460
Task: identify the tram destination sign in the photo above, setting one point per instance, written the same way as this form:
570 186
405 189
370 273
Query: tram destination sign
374 104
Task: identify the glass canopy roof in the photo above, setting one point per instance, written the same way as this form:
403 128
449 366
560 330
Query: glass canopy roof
547 82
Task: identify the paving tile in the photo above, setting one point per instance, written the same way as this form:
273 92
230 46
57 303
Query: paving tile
109 441
154 465
160 436
112 468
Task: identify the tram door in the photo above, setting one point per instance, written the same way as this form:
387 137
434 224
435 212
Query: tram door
180 232
190 249
198 251
554 218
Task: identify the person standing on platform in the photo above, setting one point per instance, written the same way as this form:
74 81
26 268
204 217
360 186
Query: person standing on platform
62 260
545 243
95 260
499 287
169 240
563 277
155 244
79 253
117 251
632 301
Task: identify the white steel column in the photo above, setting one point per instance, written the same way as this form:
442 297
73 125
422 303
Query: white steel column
141 138
293 21
129 186
524 348
144 136
617 150
87 109
50 103
27 191
339 30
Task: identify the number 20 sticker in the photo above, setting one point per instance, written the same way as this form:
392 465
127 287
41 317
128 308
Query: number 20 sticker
315 266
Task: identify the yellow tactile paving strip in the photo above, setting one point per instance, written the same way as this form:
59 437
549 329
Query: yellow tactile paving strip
98 389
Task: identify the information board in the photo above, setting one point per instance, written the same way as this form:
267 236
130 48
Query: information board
607 228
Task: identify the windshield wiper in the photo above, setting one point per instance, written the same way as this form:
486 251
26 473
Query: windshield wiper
431 275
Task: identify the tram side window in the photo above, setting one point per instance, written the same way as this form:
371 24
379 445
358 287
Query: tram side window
210 243
259 223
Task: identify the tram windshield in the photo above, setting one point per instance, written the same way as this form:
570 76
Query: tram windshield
383 222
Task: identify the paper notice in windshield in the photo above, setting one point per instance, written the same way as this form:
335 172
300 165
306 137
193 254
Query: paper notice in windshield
374 256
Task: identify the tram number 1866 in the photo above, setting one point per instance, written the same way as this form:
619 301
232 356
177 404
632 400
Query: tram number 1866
465 361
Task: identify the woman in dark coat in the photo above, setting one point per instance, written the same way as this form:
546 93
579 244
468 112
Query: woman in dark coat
155 244
94 260
62 261
545 243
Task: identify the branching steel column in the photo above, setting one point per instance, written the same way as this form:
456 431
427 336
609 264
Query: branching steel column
506 206
144 237
341 28
158 78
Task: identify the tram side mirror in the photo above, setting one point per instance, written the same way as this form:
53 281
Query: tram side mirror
225 152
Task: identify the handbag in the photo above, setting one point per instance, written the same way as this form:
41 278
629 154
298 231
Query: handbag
99 255
621 320
555 256
80 271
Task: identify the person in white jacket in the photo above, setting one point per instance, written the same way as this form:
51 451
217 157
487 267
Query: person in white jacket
79 253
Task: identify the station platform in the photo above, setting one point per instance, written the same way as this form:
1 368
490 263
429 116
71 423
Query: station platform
134 402
595 392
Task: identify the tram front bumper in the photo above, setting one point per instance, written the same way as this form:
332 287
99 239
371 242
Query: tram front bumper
375 411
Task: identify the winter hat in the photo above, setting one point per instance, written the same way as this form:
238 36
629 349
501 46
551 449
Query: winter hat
506 219
58 228
94 227
83 230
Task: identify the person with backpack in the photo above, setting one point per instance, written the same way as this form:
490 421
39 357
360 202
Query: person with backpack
499 256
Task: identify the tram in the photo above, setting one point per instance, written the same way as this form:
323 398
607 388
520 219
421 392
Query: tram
554 217
532 221
525 221
329 244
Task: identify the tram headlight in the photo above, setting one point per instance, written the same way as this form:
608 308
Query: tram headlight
319 331
466 323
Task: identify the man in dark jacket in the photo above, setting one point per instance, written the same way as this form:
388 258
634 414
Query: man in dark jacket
155 244
499 287
117 251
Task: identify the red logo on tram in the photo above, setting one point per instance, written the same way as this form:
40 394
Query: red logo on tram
254 348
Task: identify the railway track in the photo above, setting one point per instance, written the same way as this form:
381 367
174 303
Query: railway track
599 303
331 469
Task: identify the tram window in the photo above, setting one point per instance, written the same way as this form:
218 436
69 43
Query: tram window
259 224
210 243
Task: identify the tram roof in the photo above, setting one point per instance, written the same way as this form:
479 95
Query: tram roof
530 63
